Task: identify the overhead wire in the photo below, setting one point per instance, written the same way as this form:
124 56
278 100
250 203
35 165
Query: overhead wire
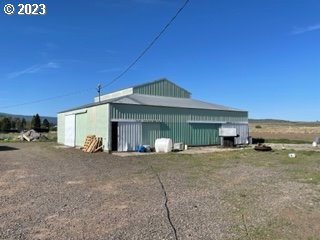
149 46
134 62
45 99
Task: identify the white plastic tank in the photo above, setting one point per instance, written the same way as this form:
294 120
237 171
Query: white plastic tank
163 145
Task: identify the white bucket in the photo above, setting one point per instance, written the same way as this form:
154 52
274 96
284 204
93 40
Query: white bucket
314 144
163 145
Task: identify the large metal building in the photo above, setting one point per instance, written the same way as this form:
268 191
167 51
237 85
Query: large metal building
140 114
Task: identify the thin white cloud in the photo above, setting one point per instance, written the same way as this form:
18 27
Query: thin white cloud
54 65
310 28
34 69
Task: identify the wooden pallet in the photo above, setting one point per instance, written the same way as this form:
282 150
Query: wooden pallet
88 142
92 144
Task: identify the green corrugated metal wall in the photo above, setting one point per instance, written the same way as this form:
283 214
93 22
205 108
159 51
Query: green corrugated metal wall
150 132
173 122
81 129
95 121
204 134
162 88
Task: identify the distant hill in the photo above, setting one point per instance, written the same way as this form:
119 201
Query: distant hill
270 121
52 120
279 121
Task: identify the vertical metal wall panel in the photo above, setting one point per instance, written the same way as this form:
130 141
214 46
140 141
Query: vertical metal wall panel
150 132
107 139
69 134
97 123
168 122
174 121
162 88
242 131
93 121
81 129
204 134
61 128
129 136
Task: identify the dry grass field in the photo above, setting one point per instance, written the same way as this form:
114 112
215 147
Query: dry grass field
284 130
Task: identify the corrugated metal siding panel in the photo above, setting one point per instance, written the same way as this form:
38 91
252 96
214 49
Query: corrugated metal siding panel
94 122
220 116
150 132
129 136
97 121
173 121
81 129
204 134
61 130
162 88
242 131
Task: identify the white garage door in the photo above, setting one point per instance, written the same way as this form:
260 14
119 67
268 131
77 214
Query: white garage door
70 124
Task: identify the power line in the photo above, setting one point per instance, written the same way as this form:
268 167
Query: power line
149 46
45 99
116 78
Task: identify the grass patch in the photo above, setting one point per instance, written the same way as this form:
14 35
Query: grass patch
252 178
13 137
304 168
8 137
287 141
306 175
268 231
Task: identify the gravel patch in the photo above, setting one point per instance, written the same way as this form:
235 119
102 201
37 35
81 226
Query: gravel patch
48 192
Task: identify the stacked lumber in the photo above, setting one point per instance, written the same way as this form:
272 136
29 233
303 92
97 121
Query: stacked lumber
92 144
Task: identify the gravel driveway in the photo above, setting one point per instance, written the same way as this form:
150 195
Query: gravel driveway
48 192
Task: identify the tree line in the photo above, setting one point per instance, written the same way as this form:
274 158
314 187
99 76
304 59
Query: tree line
19 124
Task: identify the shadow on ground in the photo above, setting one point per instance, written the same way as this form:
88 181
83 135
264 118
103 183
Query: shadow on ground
7 148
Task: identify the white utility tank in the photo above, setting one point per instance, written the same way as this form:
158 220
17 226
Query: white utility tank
163 145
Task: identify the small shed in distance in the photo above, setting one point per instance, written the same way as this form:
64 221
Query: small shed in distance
140 114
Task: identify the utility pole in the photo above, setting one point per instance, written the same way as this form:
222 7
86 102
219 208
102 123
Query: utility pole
99 90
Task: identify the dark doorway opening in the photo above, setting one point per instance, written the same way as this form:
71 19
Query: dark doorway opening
114 136
228 141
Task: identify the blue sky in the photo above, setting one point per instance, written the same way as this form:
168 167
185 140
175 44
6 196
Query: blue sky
262 56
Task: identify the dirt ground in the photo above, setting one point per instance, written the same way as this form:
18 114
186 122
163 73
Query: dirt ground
50 192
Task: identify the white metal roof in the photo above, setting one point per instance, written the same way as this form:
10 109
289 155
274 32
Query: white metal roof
150 100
